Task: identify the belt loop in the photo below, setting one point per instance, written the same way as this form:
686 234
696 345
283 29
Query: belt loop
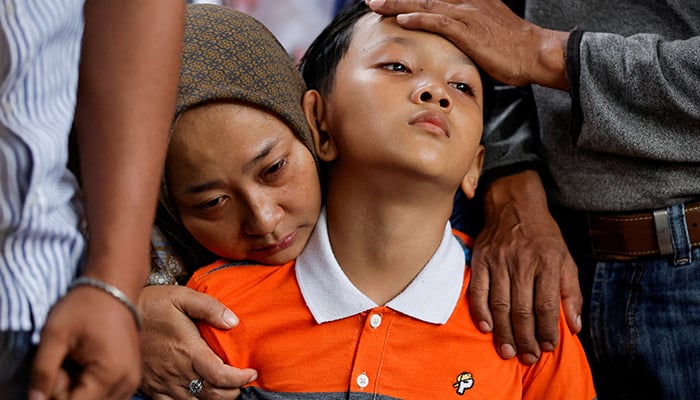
679 236
663 231
589 236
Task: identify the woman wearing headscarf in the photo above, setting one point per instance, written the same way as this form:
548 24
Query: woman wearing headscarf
240 182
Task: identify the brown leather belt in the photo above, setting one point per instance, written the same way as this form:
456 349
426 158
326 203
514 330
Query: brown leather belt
634 235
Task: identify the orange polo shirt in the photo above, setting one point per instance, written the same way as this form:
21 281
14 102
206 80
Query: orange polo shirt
311 334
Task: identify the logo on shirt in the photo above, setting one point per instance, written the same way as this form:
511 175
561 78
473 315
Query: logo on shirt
464 382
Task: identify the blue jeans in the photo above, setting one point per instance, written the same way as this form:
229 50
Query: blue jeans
16 355
641 328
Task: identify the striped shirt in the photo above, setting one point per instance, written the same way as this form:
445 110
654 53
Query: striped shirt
40 243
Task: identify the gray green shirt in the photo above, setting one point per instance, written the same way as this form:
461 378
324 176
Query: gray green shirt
627 136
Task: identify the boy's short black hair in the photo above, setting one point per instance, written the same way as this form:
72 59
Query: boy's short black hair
322 57
319 63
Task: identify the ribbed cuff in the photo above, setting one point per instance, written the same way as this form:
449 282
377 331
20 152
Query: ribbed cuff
573 74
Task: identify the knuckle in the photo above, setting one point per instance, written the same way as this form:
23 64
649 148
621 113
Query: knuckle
443 21
521 313
552 255
478 290
547 306
427 4
499 305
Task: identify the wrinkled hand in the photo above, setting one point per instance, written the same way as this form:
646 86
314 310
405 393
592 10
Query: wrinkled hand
521 267
173 351
99 337
509 48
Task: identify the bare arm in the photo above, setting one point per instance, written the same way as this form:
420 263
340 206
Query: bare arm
126 96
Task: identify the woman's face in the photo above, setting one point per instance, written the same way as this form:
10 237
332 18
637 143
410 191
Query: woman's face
244 186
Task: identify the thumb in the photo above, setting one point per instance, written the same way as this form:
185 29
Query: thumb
46 366
201 306
213 370
571 298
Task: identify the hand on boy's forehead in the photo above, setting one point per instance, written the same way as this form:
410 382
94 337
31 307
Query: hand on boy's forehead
374 31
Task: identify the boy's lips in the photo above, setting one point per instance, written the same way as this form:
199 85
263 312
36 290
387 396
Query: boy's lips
433 121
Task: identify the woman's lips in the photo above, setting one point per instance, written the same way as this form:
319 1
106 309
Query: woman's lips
274 248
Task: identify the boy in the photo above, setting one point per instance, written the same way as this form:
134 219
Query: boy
375 305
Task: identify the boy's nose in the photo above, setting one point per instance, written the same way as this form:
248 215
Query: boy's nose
427 96
432 92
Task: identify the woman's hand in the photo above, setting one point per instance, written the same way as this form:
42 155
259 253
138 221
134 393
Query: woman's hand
174 353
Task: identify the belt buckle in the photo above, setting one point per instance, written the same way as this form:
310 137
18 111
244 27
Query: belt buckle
663 231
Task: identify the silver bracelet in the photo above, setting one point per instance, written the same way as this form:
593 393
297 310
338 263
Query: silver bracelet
116 293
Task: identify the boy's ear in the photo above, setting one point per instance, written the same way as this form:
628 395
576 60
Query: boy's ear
315 112
471 179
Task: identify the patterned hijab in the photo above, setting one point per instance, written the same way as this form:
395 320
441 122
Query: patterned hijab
229 56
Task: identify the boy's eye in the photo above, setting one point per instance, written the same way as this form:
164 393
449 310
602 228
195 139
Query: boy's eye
395 66
462 87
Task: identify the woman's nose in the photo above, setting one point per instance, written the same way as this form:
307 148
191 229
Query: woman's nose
263 216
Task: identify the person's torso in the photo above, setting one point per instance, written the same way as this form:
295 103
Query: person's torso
40 243
595 180
379 353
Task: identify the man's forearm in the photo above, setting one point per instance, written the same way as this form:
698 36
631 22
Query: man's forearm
128 81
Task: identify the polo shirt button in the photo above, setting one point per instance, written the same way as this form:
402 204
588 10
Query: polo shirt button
362 380
375 320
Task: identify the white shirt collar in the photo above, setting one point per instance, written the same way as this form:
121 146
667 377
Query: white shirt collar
329 294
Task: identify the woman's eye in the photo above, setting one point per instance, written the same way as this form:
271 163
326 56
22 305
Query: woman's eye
462 87
395 66
210 203
276 168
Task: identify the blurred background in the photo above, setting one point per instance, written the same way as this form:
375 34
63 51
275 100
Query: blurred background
295 22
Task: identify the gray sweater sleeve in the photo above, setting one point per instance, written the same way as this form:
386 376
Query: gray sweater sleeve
636 96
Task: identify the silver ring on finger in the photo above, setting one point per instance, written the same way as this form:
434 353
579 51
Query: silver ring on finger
196 386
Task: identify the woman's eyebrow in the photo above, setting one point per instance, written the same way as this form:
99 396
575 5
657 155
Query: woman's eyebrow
203 187
264 152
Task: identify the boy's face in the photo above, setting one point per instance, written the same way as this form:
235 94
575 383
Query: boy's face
245 187
405 100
